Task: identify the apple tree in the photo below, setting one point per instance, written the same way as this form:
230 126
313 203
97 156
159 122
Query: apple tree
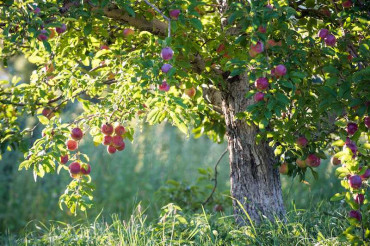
287 83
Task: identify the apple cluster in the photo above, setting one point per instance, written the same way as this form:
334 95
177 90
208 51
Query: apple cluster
329 38
48 34
166 54
113 137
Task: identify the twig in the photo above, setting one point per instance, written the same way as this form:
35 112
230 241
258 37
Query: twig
215 179
161 13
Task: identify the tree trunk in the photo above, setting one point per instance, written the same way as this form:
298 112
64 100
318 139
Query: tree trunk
255 183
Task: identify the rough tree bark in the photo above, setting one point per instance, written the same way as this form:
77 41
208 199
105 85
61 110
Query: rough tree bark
255 183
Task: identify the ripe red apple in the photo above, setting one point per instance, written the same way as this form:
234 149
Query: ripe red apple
259 96
218 208
284 169
190 92
72 145
48 113
280 70
128 32
166 68
302 142
61 29
43 35
262 29
74 167
367 121
355 214
107 129
313 161
36 10
359 198
269 6
111 149
330 40
164 86
347 4
351 128
325 12
64 159
117 141
262 83
252 53
86 169
323 33
220 48
119 130
301 163
107 140
167 53
355 181
77 134
335 161
174 14
121 146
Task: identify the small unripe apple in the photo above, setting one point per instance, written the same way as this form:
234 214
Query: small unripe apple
43 35
301 163
347 4
61 29
174 14
302 142
355 181
359 198
119 130
351 128
284 169
64 159
128 32
117 141
76 134
121 146
262 29
262 83
330 40
366 175
323 33
48 113
107 129
190 92
280 70
259 96
111 149
107 140
74 167
220 48
355 214
367 121
164 86
166 67
313 161
86 169
167 53
335 161
72 145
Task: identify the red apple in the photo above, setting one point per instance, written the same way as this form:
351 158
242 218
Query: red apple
367 121
355 214
330 40
257 48
262 83
121 146
347 4
64 159
284 169
72 145
302 142
220 48
335 161
107 129
280 70
301 163
119 130
359 198
351 128
355 181
313 161
259 96
104 47
323 33
164 86
86 169
61 29
76 134
366 175
262 29
174 14
107 140
74 167
166 68
167 53
43 35
48 113
128 32
111 149
117 141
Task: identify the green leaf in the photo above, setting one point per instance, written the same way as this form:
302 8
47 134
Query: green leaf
337 197
43 120
196 23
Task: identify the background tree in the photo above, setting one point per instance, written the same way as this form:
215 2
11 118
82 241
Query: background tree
283 80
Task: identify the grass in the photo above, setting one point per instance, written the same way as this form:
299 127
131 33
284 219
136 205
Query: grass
175 227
